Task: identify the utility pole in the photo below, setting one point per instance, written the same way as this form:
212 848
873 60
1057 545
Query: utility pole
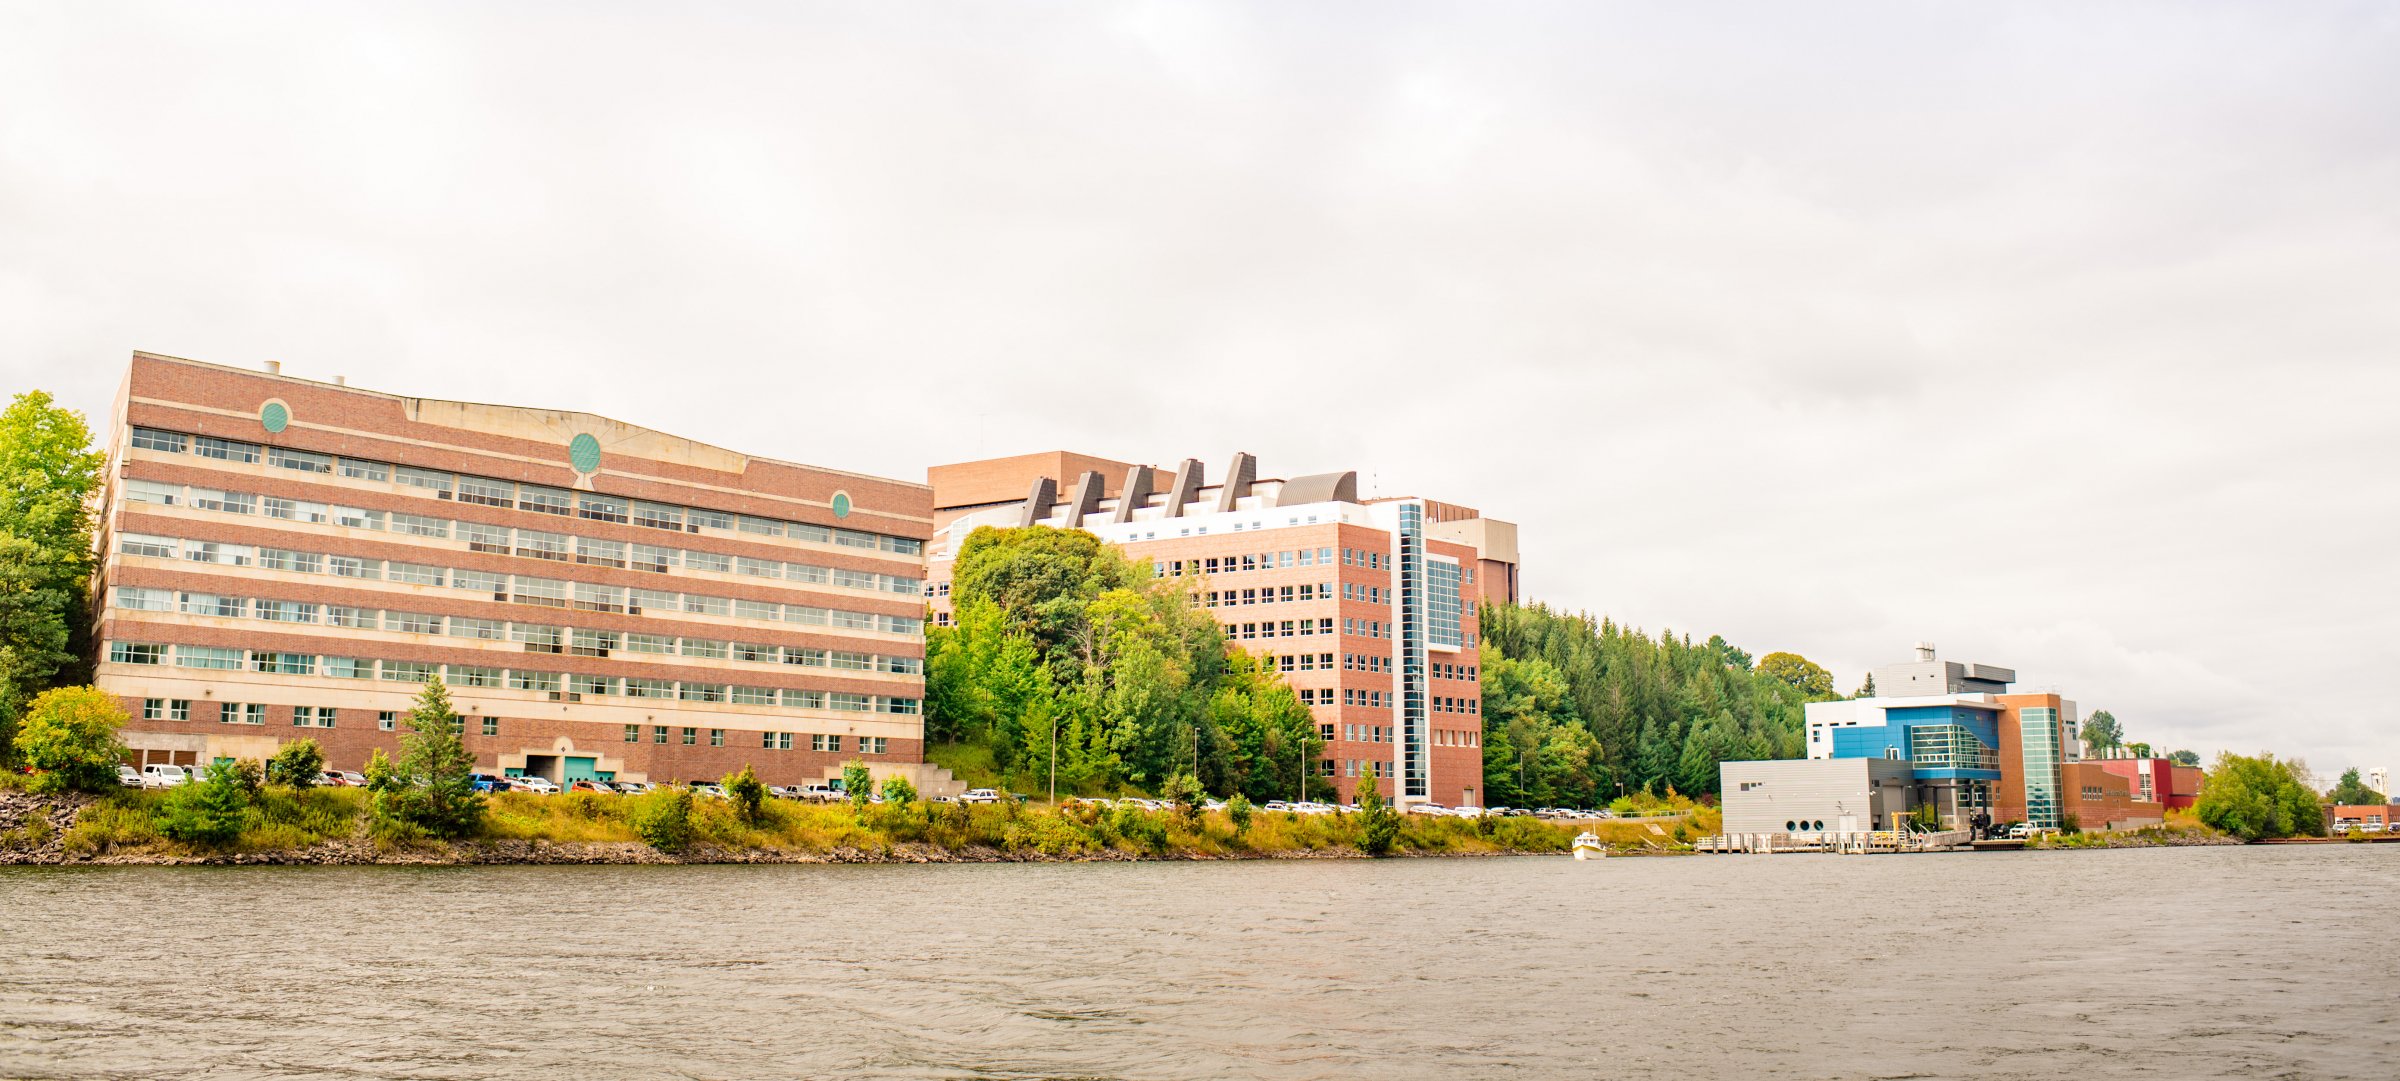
1053 759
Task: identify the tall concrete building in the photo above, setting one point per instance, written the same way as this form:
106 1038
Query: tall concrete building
1368 607
283 557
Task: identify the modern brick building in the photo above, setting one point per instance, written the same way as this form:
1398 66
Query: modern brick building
1368 607
1975 748
2158 780
282 557
2095 797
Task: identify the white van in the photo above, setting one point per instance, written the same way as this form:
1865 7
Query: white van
162 775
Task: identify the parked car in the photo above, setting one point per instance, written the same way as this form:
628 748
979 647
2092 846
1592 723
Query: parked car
632 788
602 787
711 790
1469 812
164 775
820 793
1427 809
541 786
2019 832
784 791
485 782
348 778
128 776
979 795
1275 805
1312 807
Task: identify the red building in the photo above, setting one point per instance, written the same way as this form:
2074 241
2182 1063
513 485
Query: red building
2159 780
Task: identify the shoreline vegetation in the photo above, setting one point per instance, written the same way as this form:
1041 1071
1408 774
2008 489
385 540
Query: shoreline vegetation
286 826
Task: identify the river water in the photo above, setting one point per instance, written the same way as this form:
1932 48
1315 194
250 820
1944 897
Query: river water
2163 963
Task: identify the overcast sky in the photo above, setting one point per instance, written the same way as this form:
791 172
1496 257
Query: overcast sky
2062 336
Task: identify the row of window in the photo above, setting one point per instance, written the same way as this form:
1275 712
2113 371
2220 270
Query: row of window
1445 704
1378 733
569 686
535 637
773 741
1297 662
530 497
180 709
517 588
1228 598
1289 628
1239 564
502 540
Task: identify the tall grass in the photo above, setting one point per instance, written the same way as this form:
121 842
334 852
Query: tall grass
284 820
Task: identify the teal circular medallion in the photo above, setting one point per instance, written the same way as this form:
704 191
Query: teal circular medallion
275 416
841 504
583 452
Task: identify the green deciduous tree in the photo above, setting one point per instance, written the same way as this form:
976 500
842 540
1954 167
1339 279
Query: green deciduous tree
432 786
2260 797
210 812
69 739
897 791
47 470
297 763
1798 672
2102 735
2184 758
2351 790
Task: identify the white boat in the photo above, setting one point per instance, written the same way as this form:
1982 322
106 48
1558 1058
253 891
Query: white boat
1588 846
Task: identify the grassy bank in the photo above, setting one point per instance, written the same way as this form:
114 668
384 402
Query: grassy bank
2181 829
332 826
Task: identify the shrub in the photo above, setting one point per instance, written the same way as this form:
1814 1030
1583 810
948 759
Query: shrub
1379 825
1137 826
1239 810
251 774
664 817
68 737
208 813
859 785
748 794
1184 790
297 764
1048 835
896 789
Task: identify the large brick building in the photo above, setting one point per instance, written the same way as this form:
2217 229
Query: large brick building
284 557
1368 607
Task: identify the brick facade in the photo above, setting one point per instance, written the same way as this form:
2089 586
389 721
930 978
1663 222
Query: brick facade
657 582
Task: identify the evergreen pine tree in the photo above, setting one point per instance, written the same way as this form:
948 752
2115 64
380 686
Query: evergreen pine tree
435 784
